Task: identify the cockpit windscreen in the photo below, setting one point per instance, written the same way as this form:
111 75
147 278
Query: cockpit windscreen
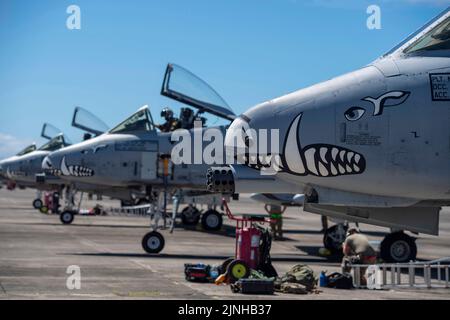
56 143
437 38
28 149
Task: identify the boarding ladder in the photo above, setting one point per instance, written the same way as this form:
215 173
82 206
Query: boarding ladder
404 275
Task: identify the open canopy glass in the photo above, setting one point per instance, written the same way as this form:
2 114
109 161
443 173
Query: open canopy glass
141 120
183 86
85 120
49 131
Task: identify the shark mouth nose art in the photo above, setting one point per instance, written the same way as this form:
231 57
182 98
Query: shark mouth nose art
76 171
321 160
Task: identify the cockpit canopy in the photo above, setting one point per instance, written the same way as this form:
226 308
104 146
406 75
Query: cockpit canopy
182 85
141 120
56 143
85 120
28 149
49 131
438 38
432 37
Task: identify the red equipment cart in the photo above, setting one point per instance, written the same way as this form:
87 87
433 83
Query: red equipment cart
247 250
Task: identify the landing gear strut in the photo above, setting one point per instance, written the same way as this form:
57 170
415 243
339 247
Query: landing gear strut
153 242
68 214
38 203
398 247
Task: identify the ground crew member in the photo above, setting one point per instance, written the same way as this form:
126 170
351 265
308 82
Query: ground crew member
276 220
171 123
357 250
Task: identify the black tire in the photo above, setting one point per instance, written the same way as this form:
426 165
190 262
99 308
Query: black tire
332 239
237 269
190 216
224 266
37 204
153 242
212 220
398 247
66 217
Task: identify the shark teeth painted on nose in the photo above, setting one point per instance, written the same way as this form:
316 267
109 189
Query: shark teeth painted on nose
75 171
319 161
322 160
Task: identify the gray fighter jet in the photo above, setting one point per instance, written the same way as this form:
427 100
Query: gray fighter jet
136 156
23 168
371 146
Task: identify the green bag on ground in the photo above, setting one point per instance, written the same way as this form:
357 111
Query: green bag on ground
301 274
256 274
290 287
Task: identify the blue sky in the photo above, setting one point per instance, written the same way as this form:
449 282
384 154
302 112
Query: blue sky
248 50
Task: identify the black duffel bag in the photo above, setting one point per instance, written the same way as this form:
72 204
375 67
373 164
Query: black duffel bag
338 280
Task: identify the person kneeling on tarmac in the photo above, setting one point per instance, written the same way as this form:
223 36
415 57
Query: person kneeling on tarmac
171 123
357 250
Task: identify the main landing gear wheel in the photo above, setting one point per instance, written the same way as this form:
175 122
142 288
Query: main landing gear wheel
334 237
37 204
212 220
190 216
153 242
398 247
66 217
237 269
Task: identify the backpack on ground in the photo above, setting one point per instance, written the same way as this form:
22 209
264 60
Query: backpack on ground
301 274
340 281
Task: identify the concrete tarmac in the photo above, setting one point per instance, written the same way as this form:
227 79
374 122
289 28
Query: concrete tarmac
36 251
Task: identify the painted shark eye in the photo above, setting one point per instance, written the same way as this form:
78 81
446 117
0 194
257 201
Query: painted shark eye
354 113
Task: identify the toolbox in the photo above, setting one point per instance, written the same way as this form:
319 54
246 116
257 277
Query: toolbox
197 272
253 286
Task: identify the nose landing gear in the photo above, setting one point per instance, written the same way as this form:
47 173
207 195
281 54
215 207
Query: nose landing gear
153 242
67 216
37 204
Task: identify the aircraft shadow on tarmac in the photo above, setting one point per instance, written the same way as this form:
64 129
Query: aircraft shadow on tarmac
275 258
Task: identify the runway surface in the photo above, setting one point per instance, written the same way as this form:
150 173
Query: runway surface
36 251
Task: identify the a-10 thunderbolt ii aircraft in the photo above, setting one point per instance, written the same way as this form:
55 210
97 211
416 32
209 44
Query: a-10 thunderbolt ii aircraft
22 168
135 155
371 146
25 169
92 126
